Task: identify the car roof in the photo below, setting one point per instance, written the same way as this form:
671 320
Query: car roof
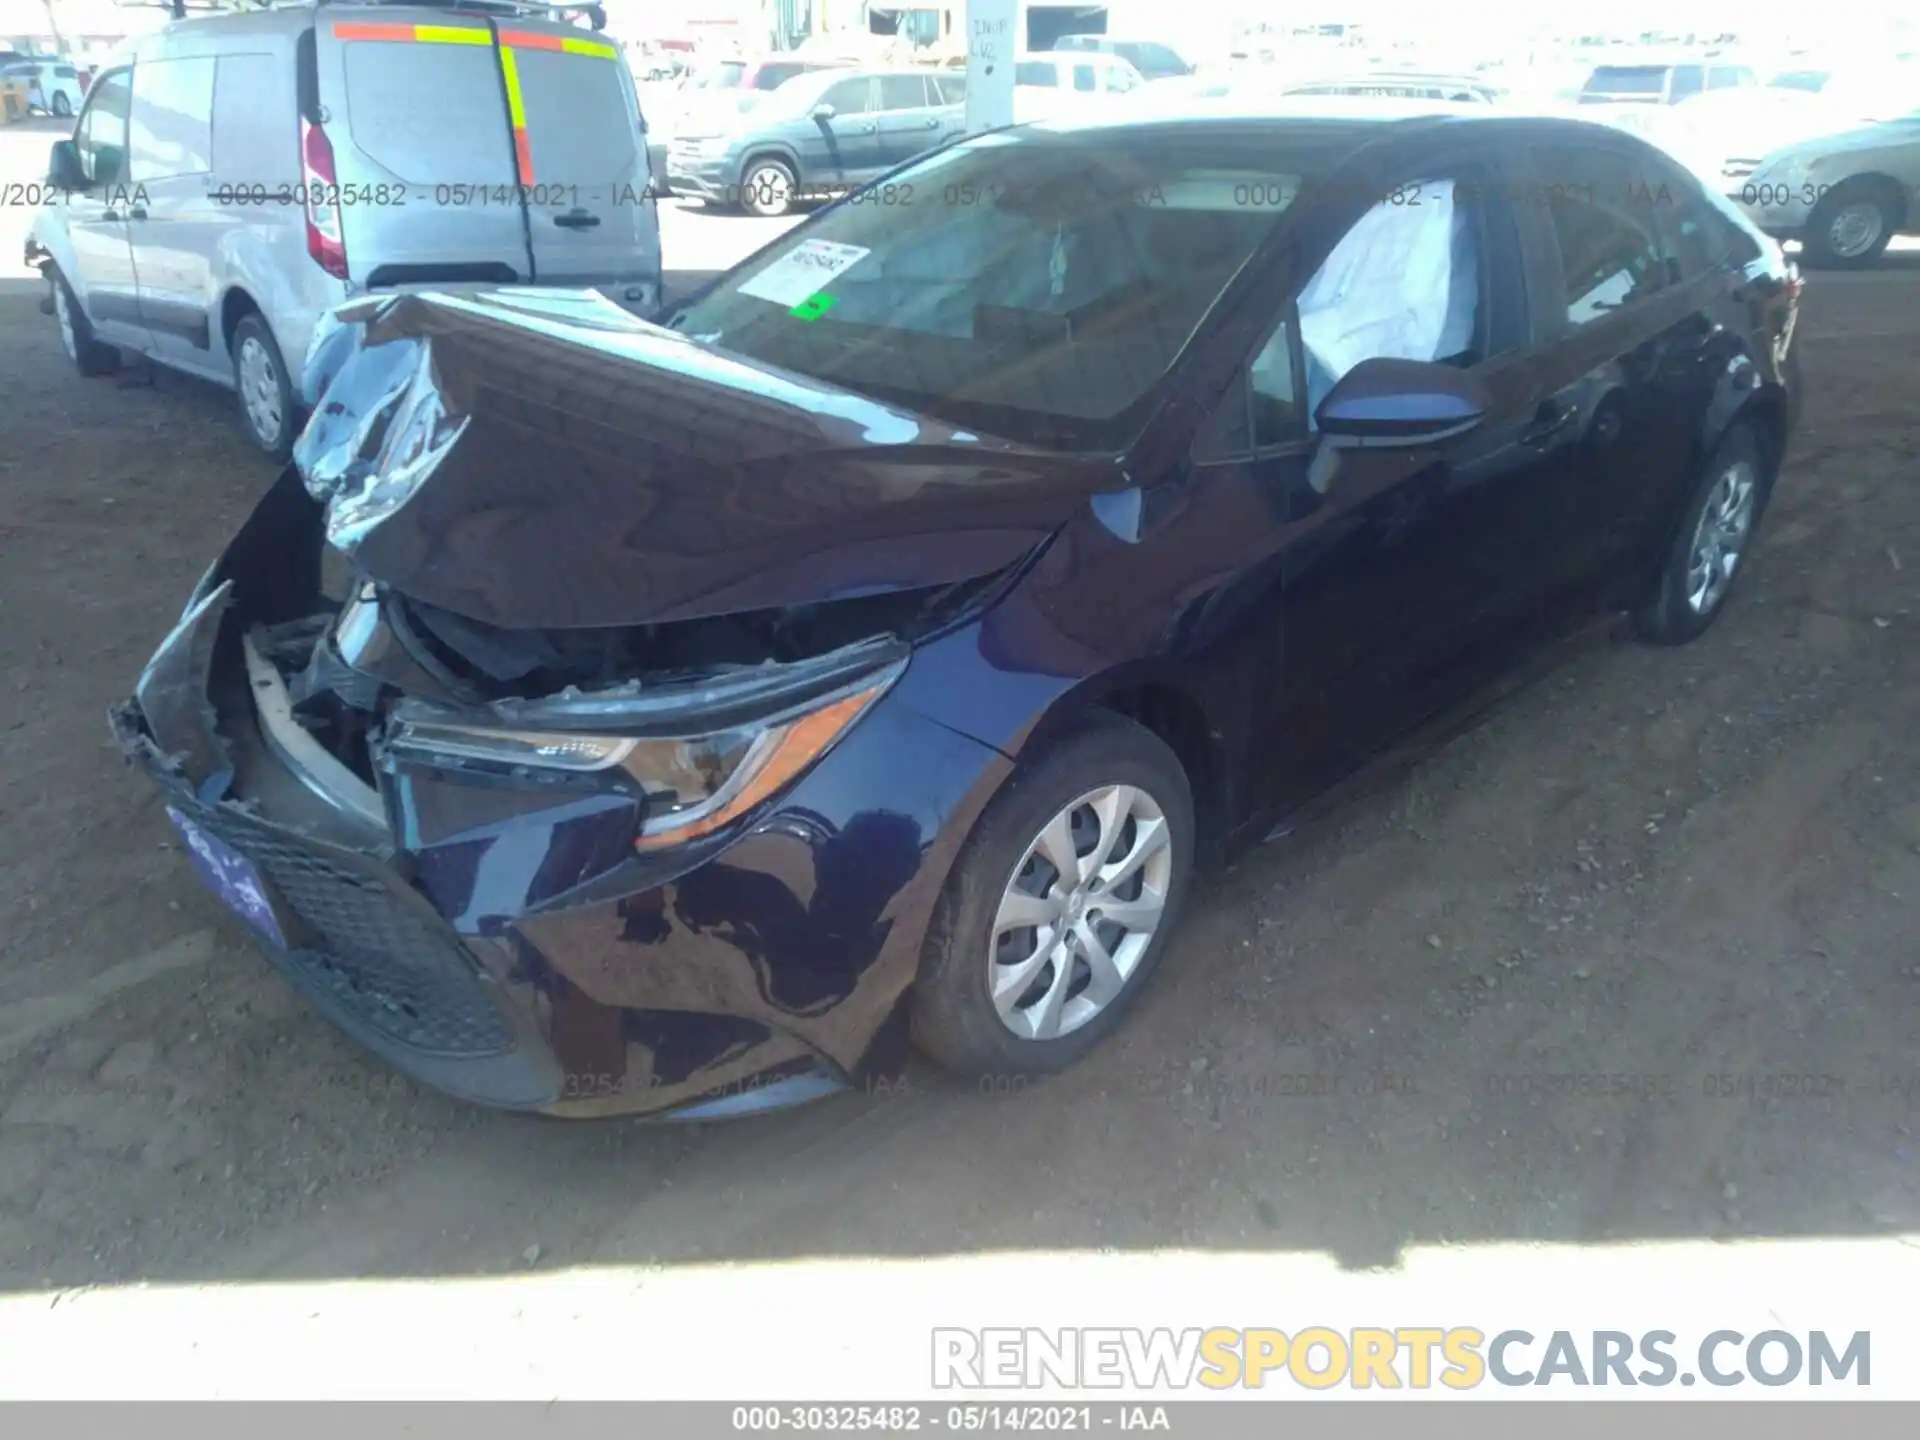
1332 119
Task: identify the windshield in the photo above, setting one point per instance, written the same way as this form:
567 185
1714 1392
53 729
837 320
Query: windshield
1037 286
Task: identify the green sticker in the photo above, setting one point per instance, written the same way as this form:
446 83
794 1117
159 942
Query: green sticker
813 307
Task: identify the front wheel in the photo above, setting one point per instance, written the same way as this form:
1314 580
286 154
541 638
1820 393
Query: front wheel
1060 905
62 106
1716 531
89 356
766 190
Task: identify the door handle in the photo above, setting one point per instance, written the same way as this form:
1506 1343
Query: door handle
139 212
869 127
1548 421
576 220
110 214
932 121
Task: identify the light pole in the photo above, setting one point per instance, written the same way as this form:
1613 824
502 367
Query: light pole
53 24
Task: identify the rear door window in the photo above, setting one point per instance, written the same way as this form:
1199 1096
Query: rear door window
579 120
903 92
430 114
1083 78
1605 219
1687 80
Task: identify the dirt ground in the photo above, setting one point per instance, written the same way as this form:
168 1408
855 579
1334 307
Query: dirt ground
1665 874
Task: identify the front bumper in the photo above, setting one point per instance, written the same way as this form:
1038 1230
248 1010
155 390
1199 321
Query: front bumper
501 940
715 178
1780 211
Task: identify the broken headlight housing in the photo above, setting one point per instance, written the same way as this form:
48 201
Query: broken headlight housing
694 784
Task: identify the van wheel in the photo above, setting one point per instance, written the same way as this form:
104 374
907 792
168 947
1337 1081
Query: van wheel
260 378
1060 906
62 106
767 189
89 356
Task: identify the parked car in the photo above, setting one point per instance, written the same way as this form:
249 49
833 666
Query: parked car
1401 85
1724 134
880 649
1662 83
718 90
233 177
1844 195
1153 59
52 85
817 136
1047 84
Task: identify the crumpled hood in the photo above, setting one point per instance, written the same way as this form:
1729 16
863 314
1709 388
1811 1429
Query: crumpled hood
541 459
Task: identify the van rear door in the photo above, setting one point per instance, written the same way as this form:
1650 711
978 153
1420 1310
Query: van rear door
582 159
476 150
415 116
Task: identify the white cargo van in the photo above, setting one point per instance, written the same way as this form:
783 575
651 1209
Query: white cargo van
233 176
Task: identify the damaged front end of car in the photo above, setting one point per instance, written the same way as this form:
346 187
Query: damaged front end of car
627 865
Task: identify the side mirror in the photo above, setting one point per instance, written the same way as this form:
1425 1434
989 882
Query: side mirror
1383 402
823 111
64 170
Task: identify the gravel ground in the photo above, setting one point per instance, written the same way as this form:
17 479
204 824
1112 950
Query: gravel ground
1678 869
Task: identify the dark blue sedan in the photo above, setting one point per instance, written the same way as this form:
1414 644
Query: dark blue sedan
601 716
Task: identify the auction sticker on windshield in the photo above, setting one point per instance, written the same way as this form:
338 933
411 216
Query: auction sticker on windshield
803 271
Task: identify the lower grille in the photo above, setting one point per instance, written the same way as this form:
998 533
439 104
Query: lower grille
392 970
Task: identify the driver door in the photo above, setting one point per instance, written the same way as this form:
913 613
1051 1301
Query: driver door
843 148
99 217
1408 573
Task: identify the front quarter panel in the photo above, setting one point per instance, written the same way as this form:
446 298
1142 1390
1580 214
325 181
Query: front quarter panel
798 937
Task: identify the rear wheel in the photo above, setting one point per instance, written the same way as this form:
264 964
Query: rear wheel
766 188
89 356
1716 531
1060 906
266 394
1852 227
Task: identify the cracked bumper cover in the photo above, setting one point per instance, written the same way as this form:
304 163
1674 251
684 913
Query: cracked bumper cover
505 943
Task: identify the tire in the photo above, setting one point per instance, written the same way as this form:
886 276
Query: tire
1852 226
89 356
1682 607
265 392
766 187
62 106
955 1019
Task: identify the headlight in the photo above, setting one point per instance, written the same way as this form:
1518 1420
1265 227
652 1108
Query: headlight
694 784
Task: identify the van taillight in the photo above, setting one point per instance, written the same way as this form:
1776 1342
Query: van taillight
326 243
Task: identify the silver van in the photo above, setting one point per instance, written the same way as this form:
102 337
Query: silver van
233 177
